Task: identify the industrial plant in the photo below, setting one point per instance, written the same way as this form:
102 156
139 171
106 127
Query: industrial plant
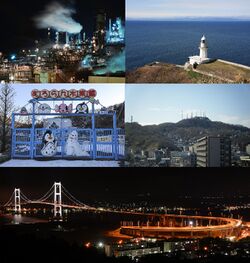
70 55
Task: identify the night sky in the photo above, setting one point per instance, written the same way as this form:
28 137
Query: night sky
127 184
18 29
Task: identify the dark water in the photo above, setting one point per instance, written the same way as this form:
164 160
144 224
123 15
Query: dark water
174 42
80 228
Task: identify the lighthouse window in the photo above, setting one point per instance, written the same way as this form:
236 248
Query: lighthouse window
203 41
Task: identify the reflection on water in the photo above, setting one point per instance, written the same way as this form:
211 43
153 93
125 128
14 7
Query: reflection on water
9 219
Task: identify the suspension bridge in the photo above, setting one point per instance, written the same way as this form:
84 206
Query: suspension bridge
151 225
54 197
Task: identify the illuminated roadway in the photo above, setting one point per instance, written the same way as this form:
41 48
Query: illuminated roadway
167 225
193 227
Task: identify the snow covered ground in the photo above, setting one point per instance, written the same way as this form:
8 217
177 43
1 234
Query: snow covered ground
59 163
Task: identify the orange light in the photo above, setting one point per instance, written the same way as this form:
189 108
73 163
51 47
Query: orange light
87 245
205 248
120 242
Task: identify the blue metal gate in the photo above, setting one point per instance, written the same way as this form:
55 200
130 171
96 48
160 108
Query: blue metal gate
92 143
100 144
21 143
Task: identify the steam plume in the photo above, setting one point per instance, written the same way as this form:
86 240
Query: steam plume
58 17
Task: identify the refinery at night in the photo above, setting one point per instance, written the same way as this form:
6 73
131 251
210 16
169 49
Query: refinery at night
65 53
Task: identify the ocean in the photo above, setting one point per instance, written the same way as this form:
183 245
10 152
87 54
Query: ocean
173 42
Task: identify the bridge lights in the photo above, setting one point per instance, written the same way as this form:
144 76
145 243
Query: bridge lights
100 245
191 223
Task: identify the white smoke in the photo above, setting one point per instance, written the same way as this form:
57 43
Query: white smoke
58 17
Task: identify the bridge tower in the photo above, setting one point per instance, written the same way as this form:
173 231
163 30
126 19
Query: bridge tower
17 201
57 200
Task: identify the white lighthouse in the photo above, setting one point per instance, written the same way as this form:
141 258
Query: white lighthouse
202 58
203 48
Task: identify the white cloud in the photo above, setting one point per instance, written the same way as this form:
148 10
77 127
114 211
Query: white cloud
169 9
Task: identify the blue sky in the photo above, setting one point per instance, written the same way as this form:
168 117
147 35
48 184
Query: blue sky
155 104
165 9
107 94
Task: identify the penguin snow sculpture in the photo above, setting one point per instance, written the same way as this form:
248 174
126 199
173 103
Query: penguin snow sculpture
82 108
73 147
49 144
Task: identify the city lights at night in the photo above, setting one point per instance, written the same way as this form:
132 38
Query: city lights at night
65 43
150 221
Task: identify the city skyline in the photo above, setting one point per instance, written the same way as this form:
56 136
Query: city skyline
168 104
167 9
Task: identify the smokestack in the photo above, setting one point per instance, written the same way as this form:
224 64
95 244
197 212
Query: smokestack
57 38
49 33
79 38
67 38
110 27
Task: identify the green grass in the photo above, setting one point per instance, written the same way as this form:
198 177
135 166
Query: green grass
194 75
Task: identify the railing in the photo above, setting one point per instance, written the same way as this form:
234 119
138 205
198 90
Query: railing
92 144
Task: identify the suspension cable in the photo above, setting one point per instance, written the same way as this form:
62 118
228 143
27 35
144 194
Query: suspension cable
24 197
71 199
10 200
76 201
44 196
44 199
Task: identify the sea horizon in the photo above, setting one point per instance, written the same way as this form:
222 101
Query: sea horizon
174 41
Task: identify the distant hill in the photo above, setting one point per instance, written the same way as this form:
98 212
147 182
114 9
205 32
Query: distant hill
164 135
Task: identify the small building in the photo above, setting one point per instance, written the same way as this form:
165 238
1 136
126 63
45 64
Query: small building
245 161
182 159
133 248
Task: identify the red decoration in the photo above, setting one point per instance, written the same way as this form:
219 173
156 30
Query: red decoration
73 93
45 94
35 94
63 93
54 94
92 93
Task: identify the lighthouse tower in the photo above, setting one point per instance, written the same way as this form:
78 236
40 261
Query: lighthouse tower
202 58
203 48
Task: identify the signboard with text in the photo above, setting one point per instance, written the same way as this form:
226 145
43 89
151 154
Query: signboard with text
63 94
